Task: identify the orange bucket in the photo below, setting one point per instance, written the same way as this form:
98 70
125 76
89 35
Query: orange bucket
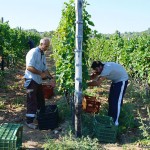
48 91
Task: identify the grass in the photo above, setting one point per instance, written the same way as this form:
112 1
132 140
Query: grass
18 102
69 142
2 105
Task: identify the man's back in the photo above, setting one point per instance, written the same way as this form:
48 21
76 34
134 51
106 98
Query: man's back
115 72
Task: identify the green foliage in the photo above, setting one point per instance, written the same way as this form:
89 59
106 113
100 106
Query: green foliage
14 43
64 110
2 104
126 119
69 142
144 124
133 53
1 77
63 43
18 101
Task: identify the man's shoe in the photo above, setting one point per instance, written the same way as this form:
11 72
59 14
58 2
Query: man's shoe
31 125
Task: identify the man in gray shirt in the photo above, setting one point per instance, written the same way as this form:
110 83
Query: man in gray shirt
36 70
119 77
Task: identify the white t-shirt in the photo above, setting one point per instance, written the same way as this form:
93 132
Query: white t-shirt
115 72
36 60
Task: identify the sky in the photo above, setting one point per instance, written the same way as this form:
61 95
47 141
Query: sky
107 15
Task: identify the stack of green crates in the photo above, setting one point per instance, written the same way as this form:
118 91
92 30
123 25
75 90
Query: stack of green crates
10 136
105 129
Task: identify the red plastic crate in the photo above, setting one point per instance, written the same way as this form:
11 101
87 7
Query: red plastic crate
90 104
48 91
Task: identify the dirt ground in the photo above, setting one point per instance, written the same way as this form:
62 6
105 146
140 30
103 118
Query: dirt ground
33 139
16 114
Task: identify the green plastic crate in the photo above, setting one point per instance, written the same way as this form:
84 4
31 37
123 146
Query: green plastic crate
105 129
10 136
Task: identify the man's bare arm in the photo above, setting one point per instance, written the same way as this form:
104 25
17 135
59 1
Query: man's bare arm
96 82
35 71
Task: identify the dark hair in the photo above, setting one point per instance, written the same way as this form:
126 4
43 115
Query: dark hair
96 64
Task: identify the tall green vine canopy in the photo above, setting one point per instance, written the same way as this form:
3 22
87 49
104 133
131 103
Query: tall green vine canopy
63 43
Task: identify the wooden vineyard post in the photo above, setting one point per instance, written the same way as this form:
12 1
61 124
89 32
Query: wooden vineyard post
78 67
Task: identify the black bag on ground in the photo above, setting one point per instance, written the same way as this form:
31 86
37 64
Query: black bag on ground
48 117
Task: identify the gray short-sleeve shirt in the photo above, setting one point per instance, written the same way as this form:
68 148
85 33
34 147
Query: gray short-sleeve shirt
36 60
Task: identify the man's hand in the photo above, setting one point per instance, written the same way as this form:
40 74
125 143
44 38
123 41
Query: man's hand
52 83
96 82
38 72
93 75
43 75
93 83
